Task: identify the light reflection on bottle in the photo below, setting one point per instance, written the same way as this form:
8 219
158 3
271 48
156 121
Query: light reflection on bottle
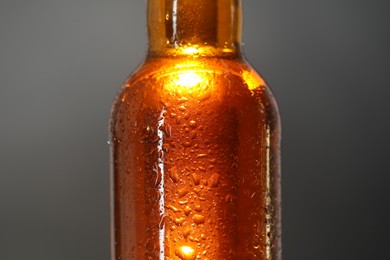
186 253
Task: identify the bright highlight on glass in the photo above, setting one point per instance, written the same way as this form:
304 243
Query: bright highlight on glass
190 50
188 79
186 253
252 79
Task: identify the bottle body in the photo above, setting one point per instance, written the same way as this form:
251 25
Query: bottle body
195 162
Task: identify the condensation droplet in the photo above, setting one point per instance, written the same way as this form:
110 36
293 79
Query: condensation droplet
202 168
187 210
187 144
174 174
186 232
199 219
165 148
186 253
173 208
193 124
179 221
228 198
213 161
182 192
182 100
198 208
196 178
214 180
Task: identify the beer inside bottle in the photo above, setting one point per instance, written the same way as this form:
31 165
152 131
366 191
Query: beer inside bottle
195 132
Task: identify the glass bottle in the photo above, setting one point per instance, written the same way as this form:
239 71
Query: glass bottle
195 134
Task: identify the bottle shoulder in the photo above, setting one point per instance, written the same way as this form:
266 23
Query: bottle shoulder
219 85
226 80
188 71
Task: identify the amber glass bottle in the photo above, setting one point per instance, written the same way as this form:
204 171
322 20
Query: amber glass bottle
195 138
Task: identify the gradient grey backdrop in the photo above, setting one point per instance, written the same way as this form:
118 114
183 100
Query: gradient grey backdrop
61 63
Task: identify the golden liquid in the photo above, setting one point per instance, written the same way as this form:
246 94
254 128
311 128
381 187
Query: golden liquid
195 162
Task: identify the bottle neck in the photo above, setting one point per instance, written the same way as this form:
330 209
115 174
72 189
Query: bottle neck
194 27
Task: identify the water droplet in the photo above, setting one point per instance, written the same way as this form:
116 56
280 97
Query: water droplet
182 100
196 178
199 219
203 95
179 221
213 161
186 253
197 191
174 174
173 208
187 210
186 232
148 130
182 192
186 144
193 124
228 198
214 180
165 148
198 208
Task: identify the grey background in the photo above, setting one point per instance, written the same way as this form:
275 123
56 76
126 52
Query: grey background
61 63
